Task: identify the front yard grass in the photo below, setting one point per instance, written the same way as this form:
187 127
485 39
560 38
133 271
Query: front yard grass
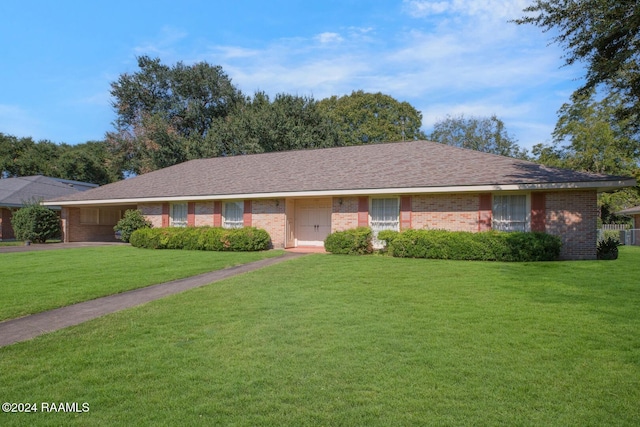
339 340
31 282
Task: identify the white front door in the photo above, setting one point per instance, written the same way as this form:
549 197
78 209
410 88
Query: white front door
313 221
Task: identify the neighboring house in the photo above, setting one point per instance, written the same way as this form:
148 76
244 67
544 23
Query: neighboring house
634 213
300 197
15 192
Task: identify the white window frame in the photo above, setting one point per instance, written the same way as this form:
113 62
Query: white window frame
384 224
510 224
231 220
178 215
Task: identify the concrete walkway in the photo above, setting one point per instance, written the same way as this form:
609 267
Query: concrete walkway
28 327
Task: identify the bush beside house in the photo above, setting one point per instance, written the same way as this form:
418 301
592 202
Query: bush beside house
131 221
356 241
202 238
35 223
456 245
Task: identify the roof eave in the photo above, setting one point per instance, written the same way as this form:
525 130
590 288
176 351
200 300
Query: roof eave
600 186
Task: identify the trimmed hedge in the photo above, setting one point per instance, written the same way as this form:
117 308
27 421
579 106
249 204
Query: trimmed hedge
356 241
460 245
202 238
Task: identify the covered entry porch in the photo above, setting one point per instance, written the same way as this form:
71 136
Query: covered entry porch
307 222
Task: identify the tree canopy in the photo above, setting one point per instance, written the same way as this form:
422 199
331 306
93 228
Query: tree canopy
603 35
88 162
486 134
365 118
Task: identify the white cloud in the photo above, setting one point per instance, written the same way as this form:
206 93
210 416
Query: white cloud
332 38
494 9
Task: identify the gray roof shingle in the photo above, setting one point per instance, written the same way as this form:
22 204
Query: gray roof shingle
14 192
402 165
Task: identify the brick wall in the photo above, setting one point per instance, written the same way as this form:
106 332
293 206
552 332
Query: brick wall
153 213
344 213
6 230
447 212
268 214
572 215
74 231
204 214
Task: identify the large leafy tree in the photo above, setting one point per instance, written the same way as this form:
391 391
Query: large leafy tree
589 137
603 35
366 118
486 134
88 162
289 122
162 110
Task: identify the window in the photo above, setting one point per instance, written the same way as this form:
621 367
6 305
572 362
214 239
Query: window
510 213
384 215
89 215
179 215
233 215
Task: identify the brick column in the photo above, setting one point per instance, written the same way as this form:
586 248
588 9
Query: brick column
246 217
484 212
363 211
217 213
538 212
165 214
405 212
191 214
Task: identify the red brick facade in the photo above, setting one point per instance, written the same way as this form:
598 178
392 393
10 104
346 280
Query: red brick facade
568 214
6 230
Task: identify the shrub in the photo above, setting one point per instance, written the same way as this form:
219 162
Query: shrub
486 246
356 241
608 248
131 221
202 238
35 223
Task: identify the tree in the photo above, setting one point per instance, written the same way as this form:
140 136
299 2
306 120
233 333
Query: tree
35 223
486 134
367 118
162 110
88 162
589 137
258 125
604 35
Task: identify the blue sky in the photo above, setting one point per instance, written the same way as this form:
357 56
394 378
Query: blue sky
444 57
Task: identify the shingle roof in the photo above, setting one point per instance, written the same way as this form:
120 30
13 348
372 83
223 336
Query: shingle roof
357 169
630 211
14 192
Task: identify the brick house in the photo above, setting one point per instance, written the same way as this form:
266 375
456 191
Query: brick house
300 197
15 192
634 213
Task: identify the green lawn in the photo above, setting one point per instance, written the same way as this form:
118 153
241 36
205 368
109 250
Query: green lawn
367 341
31 282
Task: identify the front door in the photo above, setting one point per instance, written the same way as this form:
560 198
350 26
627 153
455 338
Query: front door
313 221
